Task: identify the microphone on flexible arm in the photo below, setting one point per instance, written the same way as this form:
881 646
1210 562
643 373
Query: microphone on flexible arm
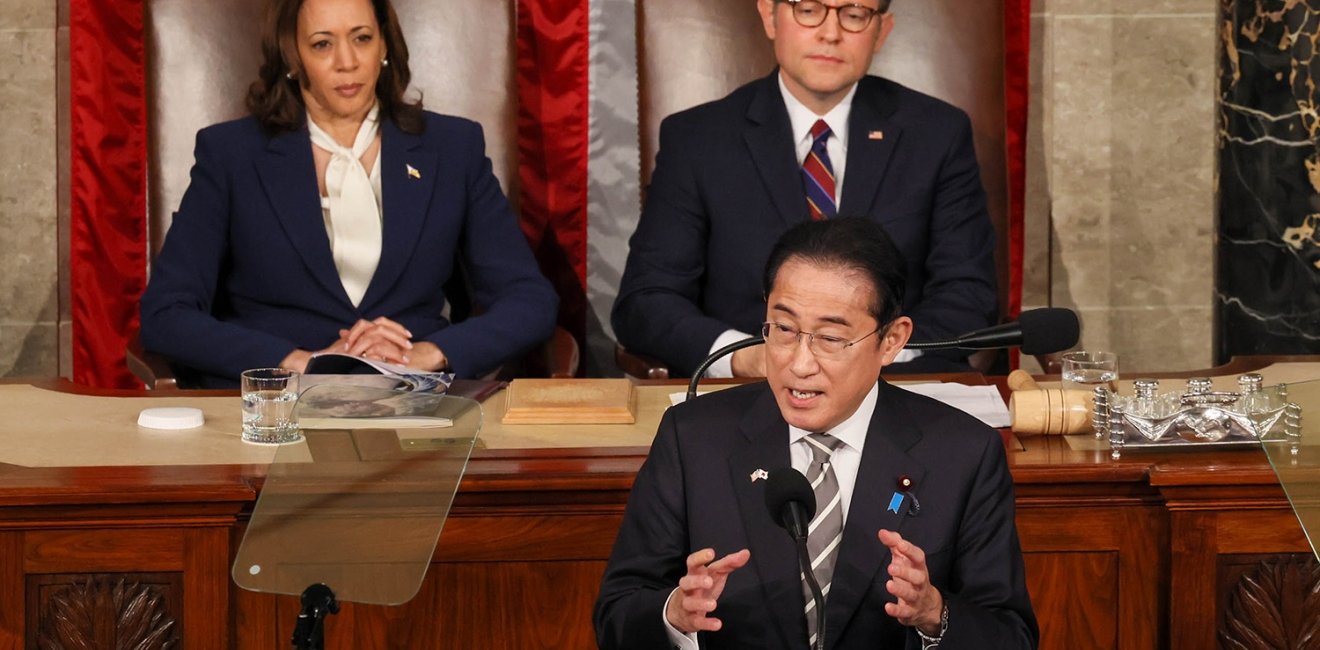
1037 331
792 504
716 356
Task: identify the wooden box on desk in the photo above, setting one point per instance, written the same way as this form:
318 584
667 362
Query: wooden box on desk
571 401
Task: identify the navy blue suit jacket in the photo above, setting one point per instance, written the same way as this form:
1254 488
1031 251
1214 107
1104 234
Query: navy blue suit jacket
696 491
727 184
246 273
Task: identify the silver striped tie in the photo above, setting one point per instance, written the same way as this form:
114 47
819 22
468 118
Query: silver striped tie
826 530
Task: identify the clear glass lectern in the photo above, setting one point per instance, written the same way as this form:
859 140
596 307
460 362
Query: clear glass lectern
1297 463
359 509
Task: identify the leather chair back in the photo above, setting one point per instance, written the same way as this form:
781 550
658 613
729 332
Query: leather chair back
690 52
693 51
203 55
954 50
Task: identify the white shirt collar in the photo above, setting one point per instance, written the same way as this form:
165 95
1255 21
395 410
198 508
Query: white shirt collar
851 431
802 118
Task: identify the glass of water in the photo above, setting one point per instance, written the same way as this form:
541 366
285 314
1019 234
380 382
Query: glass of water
1086 370
269 397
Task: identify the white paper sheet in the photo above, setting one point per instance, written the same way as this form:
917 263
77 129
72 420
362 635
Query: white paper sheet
983 402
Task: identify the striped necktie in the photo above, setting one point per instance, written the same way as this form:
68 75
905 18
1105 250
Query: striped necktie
818 174
826 529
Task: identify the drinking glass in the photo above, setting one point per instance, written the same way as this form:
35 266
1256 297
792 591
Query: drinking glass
269 397
1085 370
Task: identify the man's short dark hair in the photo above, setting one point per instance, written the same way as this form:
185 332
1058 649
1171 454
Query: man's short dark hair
851 243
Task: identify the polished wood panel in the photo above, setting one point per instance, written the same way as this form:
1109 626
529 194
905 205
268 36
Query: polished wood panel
13 587
1270 602
1089 571
1087 615
108 610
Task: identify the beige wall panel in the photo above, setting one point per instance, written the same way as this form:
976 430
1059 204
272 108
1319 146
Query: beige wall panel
29 290
1080 175
28 350
1122 177
1036 234
1129 7
1162 338
1163 154
27 14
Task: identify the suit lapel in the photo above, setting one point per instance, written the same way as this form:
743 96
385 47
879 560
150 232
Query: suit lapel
884 460
408 174
872 138
774 556
769 137
288 176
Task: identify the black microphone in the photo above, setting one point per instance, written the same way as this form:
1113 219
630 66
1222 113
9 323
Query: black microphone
792 504
791 501
1037 331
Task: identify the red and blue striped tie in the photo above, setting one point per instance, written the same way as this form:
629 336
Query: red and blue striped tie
818 174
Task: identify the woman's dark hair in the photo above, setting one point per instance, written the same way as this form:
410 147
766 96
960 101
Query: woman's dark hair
276 100
851 243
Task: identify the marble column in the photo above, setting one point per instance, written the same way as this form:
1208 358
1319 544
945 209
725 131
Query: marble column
1268 258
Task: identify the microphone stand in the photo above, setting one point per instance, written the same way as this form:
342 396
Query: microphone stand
804 559
793 516
318 601
715 356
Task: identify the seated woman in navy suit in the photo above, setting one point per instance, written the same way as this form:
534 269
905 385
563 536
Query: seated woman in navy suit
332 217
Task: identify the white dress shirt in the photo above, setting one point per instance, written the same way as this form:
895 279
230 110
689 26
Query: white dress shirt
845 461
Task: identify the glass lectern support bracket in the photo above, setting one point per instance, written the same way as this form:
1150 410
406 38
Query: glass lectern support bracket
318 601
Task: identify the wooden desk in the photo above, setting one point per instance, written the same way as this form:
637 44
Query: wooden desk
1144 552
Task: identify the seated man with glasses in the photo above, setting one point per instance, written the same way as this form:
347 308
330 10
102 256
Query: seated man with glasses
816 137
913 540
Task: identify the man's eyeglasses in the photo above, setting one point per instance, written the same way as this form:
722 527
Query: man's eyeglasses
811 13
780 335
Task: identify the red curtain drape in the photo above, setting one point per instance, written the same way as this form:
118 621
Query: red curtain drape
1017 55
553 59
1017 80
108 182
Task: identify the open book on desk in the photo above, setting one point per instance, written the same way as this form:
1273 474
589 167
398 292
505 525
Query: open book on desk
355 406
390 375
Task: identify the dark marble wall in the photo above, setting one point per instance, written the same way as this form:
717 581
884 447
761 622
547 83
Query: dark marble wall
1268 254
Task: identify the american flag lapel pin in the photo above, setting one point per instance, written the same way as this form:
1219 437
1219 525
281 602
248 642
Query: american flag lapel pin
760 474
413 173
875 135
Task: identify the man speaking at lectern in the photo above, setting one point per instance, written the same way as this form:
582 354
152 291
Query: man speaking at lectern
913 540
816 133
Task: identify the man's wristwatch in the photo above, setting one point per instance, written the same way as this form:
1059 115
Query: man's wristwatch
928 641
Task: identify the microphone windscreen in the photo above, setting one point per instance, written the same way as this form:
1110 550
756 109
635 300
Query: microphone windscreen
1047 330
786 485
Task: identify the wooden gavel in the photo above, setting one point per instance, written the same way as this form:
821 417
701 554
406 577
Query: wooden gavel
1047 410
